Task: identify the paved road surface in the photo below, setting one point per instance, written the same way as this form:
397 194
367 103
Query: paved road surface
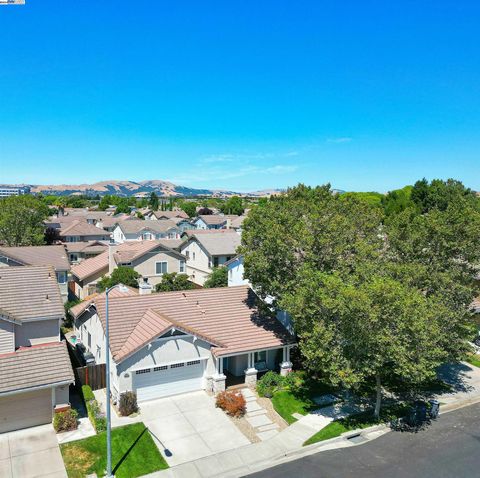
449 448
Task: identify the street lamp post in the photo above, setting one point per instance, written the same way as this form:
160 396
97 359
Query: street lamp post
107 370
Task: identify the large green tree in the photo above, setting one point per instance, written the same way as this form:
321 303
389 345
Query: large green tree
370 300
21 221
120 275
173 281
217 278
233 205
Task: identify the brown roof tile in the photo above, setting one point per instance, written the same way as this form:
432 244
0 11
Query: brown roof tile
38 256
30 367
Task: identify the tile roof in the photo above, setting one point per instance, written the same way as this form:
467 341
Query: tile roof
213 219
238 221
79 308
134 226
38 256
86 246
170 214
218 243
81 228
226 317
30 292
125 252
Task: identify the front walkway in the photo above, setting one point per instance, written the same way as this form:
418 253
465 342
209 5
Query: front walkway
189 426
31 453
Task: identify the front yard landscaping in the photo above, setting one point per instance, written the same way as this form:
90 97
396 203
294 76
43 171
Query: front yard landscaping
294 393
134 454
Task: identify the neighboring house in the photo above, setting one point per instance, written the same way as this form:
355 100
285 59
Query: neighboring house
168 343
183 224
151 259
79 251
108 223
35 369
205 250
140 230
81 231
158 215
213 221
236 278
235 272
237 223
54 256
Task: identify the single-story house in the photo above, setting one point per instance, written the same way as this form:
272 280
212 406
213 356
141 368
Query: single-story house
35 369
206 249
151 259
141 230
54 255
168 343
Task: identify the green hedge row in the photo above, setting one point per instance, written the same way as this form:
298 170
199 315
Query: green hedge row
99 422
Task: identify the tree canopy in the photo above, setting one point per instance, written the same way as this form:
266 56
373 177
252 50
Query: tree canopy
233 205
153 201
189 207
173 281
121 275
217 278
371 300
21 221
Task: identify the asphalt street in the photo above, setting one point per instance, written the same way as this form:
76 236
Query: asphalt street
448 448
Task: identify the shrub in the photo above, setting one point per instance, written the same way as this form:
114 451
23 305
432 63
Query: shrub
269 383
98 421
232 403
293 381
65 421
128 403
87 393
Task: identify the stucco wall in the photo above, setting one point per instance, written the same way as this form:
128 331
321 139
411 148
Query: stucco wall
145 265
38 332
62 395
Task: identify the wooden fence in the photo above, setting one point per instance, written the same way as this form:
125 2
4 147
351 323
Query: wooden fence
93 375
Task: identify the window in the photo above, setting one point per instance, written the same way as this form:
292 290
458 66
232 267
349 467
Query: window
158 369
193 255
161 268
228 258
261 356
89 340
193 362
73 257
61 277
126 264
145 370
181 266
98 351
177 365
215 262
147 236
187 253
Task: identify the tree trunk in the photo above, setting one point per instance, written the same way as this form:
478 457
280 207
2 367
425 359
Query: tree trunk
378 402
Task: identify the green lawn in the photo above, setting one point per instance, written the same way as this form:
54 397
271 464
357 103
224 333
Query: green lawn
286 403
134 453
337 427
473 360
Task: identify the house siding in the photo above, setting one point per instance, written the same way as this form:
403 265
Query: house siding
145 265
38 332
7 337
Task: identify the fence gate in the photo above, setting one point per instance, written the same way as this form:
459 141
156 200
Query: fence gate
93 375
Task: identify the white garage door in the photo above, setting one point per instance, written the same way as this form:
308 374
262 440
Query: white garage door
166 380
25 410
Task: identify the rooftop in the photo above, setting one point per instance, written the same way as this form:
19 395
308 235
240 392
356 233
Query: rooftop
81 228
30 367
30 292
217 243
38 256
134 226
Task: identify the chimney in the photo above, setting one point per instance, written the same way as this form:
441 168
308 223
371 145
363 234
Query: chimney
112 248
144 287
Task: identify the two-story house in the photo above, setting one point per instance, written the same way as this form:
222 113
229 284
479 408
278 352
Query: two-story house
35 369
55 256
82 231
151 259
159 215
213 221
141 230
205 250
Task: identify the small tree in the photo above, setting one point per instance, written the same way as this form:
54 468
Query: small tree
233 205
21 221
173 281
121 275
217 278
205 211
190 208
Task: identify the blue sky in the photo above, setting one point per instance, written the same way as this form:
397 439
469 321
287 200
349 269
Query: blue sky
243 95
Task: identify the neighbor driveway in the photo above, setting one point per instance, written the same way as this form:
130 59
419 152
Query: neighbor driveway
31 453
190 427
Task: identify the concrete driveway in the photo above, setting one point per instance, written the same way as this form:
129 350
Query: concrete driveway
190 427
31 453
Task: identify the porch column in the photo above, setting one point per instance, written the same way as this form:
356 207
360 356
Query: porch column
251 372
219 378
286 365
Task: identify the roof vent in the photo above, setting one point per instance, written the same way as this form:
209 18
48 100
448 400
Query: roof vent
47 298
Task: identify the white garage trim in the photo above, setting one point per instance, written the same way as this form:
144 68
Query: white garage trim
135 369
165 380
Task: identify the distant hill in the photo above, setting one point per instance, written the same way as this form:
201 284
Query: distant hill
140 188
